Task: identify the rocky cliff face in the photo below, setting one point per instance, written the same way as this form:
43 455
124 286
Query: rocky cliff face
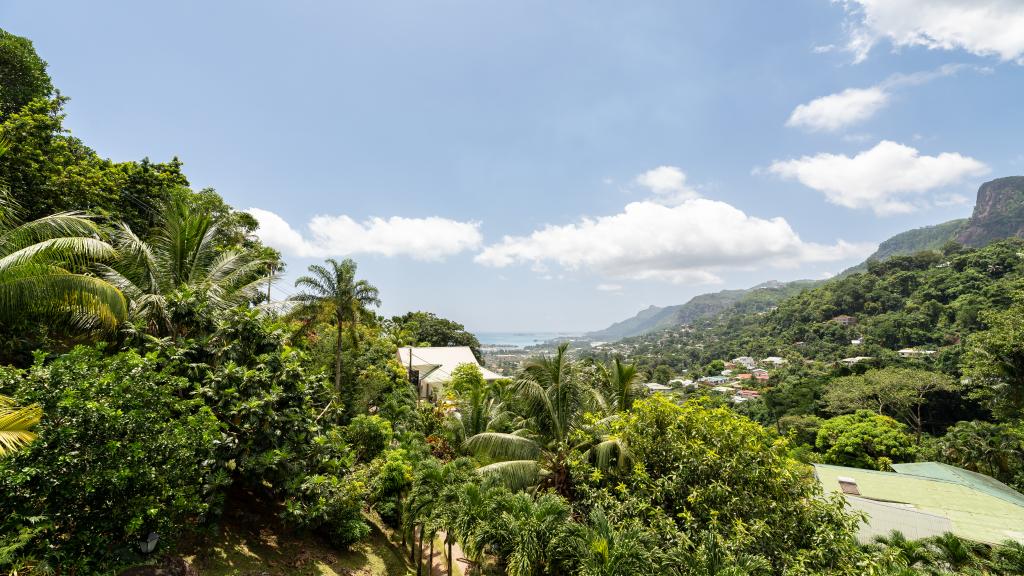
999 213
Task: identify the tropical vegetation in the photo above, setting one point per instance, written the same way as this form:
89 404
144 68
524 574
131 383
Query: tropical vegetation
152 400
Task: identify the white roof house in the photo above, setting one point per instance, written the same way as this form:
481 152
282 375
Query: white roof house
656 387
436 363
745 361
776 360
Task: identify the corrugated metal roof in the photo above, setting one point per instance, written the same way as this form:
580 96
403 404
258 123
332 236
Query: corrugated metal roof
974 514
940 471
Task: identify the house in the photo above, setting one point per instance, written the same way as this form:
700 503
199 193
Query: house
430 367
714 379
844 320
680 383
653 387
857 341
726 372
911 353
928 499
745 361
744 376
774 360
722 389
856 360
760 374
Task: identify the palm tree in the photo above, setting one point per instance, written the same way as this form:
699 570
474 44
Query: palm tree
914 552
480 405
338 288
954 552
553 401
620 386
619 550
709 557
40 264
181 270
15 424
1008 558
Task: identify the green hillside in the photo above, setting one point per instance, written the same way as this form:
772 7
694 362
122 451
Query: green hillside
930 299
755 299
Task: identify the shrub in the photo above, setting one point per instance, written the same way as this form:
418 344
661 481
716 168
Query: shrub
368 436
120 454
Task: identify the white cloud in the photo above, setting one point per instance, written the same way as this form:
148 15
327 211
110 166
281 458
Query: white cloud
890 178
688 243
609 287
668 183
853 105
430 238
981 27
839 110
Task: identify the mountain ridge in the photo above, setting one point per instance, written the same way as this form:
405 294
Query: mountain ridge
998 213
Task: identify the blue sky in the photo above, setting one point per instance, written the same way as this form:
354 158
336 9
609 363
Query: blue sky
556 166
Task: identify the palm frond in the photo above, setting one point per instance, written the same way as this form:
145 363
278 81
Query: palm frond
15 424
515 474
502 446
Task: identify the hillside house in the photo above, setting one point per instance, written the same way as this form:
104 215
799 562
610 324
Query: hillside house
654 387
430 367
844 320
912 353
745 361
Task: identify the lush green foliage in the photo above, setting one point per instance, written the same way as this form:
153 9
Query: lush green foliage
864 440
119 454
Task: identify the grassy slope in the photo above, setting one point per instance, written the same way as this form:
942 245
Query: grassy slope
241 550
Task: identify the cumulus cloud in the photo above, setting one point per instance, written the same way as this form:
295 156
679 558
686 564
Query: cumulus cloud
430 238
981 27
853 105
890 178
668 183
839 110
688 243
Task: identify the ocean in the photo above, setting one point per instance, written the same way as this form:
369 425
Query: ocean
519 339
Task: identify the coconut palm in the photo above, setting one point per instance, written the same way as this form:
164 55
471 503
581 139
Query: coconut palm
15 425
619 387
336 286
181 270
552 402
40 265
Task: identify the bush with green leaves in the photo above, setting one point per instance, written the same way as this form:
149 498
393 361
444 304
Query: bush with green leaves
332 505
368 436
705 468
122 451
864 439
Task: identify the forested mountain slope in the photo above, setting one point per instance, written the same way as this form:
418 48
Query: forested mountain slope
930 299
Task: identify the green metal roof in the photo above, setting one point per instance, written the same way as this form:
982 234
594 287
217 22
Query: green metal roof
939 471
974 513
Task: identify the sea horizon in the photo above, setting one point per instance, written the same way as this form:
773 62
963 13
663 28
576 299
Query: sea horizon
520 339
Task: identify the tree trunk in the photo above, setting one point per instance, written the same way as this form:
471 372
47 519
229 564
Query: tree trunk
419 565
448 537
430 559
337 363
